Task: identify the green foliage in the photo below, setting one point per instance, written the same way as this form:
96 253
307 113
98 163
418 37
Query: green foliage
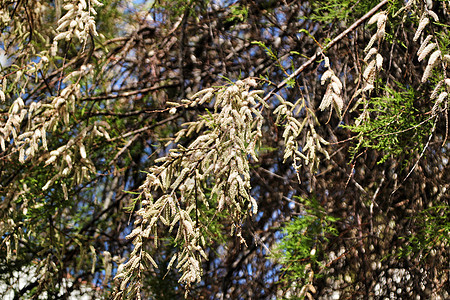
303 246
211 221
396 126
238 14
433 231
268 50
274 56
178 8
349 10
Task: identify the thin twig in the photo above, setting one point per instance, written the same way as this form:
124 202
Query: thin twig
418 160
130 93
144 128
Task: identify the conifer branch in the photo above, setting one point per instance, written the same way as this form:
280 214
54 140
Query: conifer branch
329 45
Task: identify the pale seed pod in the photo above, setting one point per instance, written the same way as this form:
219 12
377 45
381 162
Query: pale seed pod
62 35
381 31
68 6
368 87
339 102
436 89
67 16
371 52
336 80
441 98
54 48
326 75
370 68
433 15
379 60
433 57
426 73
431 63
336 88
96 3
371 42
73 23
82 150
327 99
381 21
91 25
65 24
375 18
22 155
83 4
426 51
326 62
422 24
424 44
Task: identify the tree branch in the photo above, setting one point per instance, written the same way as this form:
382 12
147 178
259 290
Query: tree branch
130 93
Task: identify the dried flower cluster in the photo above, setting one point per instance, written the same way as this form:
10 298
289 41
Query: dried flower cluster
27 127
31 119
313 145
292 130
373 59
28 123
334 90
217 158
430 47
374 62
379 18
78 21
426 47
